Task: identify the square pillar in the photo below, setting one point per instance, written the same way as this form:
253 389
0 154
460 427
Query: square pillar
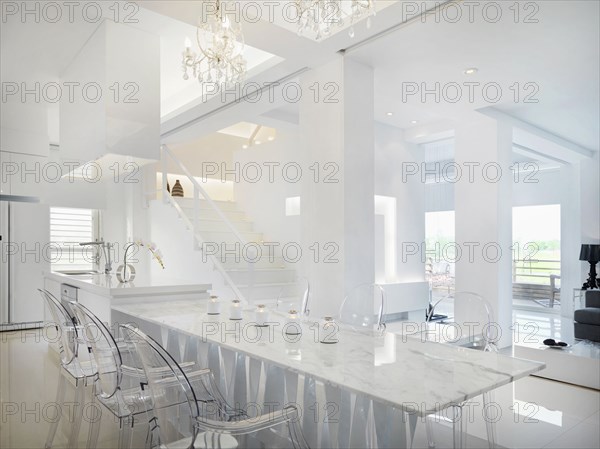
483 205
338 215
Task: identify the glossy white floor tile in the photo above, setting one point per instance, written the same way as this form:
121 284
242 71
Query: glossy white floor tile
584 435
28 381
535 412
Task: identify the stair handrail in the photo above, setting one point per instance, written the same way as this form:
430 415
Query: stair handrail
205 195
195 225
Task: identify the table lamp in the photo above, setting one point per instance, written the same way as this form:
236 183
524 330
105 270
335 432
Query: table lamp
591 254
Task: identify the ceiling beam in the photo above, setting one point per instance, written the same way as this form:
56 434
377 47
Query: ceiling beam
528 152
540 140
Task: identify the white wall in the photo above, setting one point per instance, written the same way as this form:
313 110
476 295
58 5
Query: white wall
176 243
124 115
547 190
580 223
264 201
391 151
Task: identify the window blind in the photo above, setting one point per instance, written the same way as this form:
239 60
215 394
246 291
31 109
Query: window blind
68 228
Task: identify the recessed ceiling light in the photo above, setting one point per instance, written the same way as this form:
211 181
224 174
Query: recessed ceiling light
257 142
270 138
390 114
244 146
471 70
414 122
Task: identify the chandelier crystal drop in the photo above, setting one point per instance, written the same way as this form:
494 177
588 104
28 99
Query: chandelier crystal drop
319 17
221 48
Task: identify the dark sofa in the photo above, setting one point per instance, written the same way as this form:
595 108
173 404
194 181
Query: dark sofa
587 321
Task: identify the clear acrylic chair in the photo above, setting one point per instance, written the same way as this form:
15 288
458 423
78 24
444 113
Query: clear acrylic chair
281 386
75 365
189 415
294 296
475 329
364 308
116 385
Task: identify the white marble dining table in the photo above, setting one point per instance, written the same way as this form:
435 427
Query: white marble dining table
401 371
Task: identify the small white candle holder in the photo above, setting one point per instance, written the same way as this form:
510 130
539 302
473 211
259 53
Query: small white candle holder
235 310
292 323
262 315
328 330
213 306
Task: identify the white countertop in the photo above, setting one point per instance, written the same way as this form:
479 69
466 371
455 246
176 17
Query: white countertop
108 285
392 369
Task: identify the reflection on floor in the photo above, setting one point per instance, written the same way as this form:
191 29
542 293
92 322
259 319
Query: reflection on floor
529 320
546 325
28 380
533 412
533 306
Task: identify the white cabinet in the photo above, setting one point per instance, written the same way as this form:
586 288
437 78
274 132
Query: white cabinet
5 159
29 259
23 174
24 127
54 288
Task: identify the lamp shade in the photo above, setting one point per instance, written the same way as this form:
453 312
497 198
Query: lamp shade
590 253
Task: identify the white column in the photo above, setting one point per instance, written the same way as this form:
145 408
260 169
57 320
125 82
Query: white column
484 218
338 130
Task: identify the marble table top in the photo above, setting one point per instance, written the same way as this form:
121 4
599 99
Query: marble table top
398 370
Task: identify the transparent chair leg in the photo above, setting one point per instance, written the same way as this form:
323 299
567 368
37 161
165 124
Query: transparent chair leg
125 433
60 399
457 427
490 423
77 414
429 432
95 420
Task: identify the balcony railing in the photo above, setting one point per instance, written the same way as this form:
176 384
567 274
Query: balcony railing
534 271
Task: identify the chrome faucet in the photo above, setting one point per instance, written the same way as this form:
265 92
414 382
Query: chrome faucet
106 247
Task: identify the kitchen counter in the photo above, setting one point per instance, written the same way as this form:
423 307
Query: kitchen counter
108 285
99 292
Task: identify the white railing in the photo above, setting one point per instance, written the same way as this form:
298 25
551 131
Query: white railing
194 223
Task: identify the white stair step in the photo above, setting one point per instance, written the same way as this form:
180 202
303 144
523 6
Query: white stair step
230 263
262 276
210 214
218 225
229 241
228 238
222 205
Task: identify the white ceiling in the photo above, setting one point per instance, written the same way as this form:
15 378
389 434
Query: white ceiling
560 54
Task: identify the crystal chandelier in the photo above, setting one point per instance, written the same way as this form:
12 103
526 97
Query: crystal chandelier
319 16
221 44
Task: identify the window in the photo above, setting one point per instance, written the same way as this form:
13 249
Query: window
536 243
68 228
440 249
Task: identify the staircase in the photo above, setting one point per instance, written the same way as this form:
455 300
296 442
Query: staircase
229 241
260 283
